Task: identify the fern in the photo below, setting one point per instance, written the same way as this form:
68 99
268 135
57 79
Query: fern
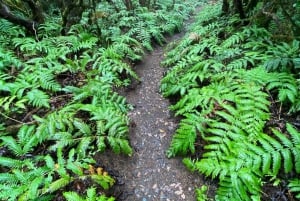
201 193
248 161
38 98
7 59
234 40
283 57
185 137
294 186
24 144
75 76
224 92
11 163
110 123
47 179
91 196
286 86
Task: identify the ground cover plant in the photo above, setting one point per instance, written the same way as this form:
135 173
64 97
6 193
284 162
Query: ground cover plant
234 80
61 63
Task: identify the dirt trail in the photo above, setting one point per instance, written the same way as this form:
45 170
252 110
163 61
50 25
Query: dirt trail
148 175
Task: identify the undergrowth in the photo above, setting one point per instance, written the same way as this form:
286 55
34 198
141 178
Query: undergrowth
231 84
58 99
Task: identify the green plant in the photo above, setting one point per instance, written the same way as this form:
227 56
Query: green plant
58 92
40 176
91 196
294 186
284 57
201 193
224 82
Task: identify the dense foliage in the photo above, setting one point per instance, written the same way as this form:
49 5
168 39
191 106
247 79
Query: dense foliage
234 80
236 85
58 99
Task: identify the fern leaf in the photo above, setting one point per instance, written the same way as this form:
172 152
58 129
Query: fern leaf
104 181
11 163
83 127
119 145
12 145
294 186
38 98
101 143
9 179
83 146
183 140
57 184
288 162
91 194
72 196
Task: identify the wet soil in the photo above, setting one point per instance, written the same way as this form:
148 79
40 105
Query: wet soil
148 175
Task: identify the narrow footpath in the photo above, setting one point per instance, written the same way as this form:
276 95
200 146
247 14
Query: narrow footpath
148 175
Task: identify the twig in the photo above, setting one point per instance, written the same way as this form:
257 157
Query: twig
60 96
15 128
30 113
279 111
15 120
35 32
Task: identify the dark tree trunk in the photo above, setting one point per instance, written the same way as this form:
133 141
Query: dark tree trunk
94 5
143 3
71 14
114 5
154 3
225 7
238 4
128 4
251 4
36 9
30 25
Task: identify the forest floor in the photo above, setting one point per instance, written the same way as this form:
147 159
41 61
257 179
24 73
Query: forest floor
149 175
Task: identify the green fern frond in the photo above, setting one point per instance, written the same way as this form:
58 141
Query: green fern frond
103 180
234 39
10 163
286 86
91 196
57 184
72 196
8 58
185 137
294 186
13 146
8 179
201 193
38 98
47 81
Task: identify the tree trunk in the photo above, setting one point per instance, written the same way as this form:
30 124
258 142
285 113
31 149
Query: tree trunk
225 7
30 25
142 3
251 4
238 4
36 9
71 14
128 5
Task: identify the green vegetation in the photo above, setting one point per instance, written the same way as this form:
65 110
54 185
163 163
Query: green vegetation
235 79
59 74
91 196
